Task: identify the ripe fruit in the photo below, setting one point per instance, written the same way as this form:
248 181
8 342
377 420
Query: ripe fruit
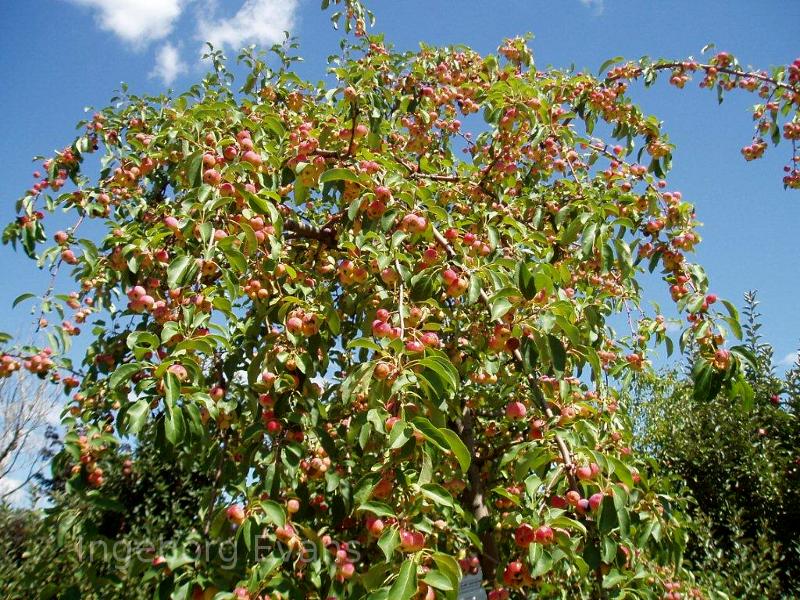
515 573
449 276
179 371
382 370
414 346
375 526
294 325
584 473
411 541
524 535
430 339
595 500
235 514
212 177
252 157
383 193
230 152
516 411
544 535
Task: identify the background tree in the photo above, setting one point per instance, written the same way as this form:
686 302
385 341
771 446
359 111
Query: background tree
27 407
102 546
741 464
395 364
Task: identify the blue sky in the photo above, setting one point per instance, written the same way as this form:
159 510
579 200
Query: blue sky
58 56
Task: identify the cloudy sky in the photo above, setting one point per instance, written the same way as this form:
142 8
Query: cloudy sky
60 56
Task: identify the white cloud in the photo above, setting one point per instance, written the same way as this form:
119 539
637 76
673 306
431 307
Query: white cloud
137 22
596 5
789 360
16 498
256 22
168 64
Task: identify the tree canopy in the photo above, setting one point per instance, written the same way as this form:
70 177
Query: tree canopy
378 308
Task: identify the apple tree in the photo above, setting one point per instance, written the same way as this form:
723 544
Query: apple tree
379 310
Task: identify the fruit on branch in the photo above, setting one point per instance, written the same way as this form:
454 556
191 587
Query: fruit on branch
356 374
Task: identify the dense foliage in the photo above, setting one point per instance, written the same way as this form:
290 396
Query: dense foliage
85 546
392 365
741 464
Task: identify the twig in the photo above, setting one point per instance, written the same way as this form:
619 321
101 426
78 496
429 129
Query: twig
400 304
718 69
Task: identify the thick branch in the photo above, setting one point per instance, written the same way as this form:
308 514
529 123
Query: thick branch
476 501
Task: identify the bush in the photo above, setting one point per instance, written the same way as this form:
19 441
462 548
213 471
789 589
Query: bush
739 460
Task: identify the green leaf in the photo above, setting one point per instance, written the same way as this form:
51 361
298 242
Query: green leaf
122 374
374 577
449 566
526 280
137 415
740 389
557 352
389 541
421 286
707 381
338 175
172 389
142 342
530 356
379 509
180 271
500 307
611 61
262 205
623 518
438 494
431 432
474 291
458 447
174 427
607 519
22 298
274 512
405 586
438 580
195 172
236 259
621 470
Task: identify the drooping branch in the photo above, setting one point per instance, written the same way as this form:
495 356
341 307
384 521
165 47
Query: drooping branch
738 73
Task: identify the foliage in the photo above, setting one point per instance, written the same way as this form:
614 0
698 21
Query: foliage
742 468
386 358
92 546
